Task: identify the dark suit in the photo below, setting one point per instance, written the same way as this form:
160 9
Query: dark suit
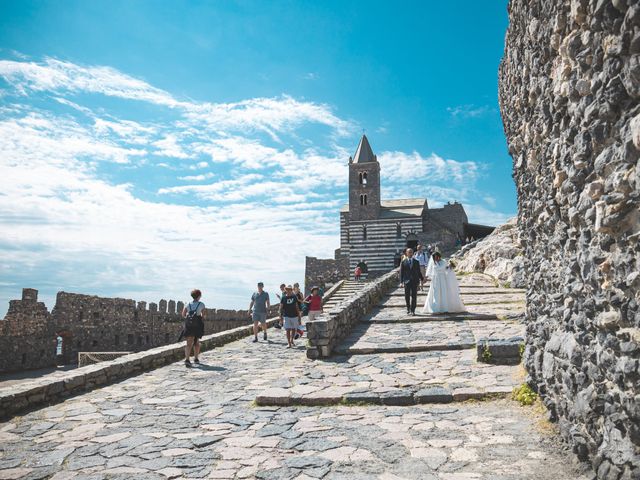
410 277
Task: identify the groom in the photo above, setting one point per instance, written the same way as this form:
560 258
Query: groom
410 277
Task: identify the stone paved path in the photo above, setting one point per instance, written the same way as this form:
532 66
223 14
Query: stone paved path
203 422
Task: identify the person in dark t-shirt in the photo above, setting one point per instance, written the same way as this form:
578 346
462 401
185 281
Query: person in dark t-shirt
290 314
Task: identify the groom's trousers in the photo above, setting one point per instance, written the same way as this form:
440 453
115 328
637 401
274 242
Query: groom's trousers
411 295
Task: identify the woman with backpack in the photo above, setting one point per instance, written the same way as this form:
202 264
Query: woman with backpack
193 331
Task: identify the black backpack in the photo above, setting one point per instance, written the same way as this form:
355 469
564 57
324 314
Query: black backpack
192 317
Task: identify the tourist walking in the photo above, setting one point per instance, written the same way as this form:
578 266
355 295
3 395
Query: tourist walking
258 309
357 273
444 291
290 314
423 260
314 301
193 330
410 278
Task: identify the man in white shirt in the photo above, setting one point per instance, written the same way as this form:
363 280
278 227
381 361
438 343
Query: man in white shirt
423 259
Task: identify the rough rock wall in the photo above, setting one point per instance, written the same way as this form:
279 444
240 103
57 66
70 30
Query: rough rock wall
498 255
569 97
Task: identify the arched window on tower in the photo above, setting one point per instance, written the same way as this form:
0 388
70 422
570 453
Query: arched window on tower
364 178
364 232
363 199
398 230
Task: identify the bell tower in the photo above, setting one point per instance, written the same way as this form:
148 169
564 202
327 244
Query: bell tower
364 183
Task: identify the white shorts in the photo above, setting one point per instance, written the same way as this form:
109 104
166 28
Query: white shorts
291 323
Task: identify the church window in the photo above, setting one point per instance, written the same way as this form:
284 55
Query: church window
398 230
363 178
364 232
363 199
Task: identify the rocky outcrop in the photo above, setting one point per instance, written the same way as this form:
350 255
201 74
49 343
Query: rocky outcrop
570 102
498 255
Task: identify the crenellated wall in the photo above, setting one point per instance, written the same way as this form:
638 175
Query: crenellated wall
570 101
86 323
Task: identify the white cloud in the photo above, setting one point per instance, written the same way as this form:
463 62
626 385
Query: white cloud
197 178
470 111
431 168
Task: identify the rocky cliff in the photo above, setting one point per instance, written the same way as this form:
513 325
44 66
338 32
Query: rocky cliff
570 101
498 255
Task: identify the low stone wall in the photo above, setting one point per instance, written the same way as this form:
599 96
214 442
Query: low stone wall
53 389
325 333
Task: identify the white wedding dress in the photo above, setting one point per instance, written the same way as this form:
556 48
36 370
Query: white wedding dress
444 292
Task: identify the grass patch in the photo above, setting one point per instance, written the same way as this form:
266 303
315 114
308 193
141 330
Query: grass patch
524 394
486 353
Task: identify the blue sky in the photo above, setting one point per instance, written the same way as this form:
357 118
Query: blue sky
148 147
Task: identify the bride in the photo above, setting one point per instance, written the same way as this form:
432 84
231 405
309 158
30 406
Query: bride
444 292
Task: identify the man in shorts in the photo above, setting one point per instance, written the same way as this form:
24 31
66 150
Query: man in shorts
258 309
290 314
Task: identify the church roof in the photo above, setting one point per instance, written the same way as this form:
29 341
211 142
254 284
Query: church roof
364 154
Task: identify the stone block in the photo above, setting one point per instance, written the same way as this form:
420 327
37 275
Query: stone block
467 393
362 397
500 351
433 395
274 397
398 397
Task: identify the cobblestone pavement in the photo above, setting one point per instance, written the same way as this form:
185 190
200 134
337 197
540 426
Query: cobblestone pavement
202 422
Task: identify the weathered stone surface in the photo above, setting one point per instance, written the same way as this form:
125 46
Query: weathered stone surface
569 96
498 255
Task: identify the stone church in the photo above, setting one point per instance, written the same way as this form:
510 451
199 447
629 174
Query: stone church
375 231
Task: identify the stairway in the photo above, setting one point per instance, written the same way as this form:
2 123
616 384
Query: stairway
348 288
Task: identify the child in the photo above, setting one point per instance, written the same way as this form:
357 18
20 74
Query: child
314 301
357 273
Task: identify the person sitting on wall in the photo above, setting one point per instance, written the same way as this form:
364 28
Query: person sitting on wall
193 330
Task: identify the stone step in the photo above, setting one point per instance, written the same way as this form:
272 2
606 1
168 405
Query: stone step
395 379
368 338
419 318
278 397
426 347
487 291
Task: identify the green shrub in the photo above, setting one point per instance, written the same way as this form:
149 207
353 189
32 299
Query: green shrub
524 394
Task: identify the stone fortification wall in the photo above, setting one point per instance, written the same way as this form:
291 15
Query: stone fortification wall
27 335
444 226
325 272
89 323
570 101
326 331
